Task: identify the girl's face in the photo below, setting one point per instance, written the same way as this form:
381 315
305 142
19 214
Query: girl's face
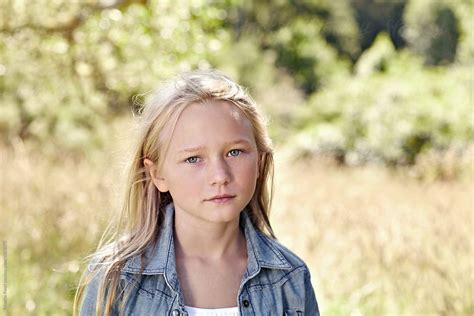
212 152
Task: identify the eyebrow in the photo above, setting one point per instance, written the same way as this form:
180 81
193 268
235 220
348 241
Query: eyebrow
193 149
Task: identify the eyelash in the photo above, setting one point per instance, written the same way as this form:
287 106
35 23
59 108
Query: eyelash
186 161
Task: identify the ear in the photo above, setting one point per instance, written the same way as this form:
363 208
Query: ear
160 183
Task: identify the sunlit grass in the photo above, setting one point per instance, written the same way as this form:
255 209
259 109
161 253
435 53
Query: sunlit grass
379 242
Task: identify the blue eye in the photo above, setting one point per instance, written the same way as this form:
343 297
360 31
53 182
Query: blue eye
235 150
233 153
190 158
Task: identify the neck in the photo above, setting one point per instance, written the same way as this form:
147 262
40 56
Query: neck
195 238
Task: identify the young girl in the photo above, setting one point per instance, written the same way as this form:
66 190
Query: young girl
197 237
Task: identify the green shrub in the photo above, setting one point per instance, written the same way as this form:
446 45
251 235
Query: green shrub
390 112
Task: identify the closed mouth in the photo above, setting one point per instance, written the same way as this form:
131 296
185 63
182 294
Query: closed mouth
221 198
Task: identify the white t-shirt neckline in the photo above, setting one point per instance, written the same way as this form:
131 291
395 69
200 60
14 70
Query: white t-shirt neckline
228 311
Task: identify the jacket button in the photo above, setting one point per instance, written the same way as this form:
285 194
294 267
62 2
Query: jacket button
246 303
176 312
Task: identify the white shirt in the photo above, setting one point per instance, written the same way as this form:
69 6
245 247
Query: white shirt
230 311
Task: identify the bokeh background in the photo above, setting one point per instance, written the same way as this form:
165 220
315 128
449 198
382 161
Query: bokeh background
371 112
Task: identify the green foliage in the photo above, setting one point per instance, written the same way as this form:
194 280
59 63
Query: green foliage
64 78
391 111
310 39
341 30
67 72
309 59
433 29
374 17
465 52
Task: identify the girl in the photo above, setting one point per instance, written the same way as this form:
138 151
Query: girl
197 238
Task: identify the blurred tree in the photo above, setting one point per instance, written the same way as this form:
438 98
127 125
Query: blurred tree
464 10
67 67
375 16
341 29
297 31
392 110
433 30
376 58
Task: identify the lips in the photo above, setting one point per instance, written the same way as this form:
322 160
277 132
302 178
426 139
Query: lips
221 197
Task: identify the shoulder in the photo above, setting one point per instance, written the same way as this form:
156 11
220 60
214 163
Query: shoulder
96 282
292 281
90 281
294 261
291 256
267 251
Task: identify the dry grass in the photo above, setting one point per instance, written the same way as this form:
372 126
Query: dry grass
377 242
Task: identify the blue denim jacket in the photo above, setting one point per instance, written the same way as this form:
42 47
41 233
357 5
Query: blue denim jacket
276 281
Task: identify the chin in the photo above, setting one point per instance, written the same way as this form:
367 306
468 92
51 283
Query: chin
224 215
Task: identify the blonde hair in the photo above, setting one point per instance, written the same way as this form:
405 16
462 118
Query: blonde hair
144 204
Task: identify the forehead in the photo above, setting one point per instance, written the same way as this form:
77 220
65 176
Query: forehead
210 123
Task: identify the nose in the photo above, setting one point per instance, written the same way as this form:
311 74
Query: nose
219 172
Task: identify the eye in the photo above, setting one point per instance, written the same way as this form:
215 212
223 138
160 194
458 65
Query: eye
236 152
191 160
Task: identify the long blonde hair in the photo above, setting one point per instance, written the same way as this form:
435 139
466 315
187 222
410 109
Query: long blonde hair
143 207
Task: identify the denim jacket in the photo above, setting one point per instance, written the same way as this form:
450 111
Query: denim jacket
276 281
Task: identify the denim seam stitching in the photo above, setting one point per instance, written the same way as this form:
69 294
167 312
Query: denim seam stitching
263 285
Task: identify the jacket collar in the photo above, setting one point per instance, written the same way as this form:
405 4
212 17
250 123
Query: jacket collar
160 257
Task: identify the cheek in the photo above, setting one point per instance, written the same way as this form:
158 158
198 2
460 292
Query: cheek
183 183
248 171
186 179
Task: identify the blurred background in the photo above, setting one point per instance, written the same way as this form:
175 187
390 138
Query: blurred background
371 112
